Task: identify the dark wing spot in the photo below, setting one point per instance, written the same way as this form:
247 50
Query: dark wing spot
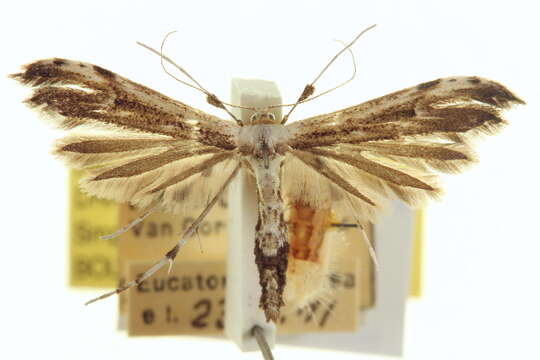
207 172
495 94
39 72
474 80
120 102
452 80
82 65
104 72
427 85
59 62
406 113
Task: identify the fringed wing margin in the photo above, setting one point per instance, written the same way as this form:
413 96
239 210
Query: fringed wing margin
144 170
138 146
393 146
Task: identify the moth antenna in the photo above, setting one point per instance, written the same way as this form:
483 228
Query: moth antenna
329 307
326 303
310 88
210 98
313 97
130 225
176 65
312 307
171 254
326 91
343 83
166 58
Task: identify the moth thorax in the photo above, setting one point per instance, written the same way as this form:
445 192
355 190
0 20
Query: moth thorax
311 255
262 117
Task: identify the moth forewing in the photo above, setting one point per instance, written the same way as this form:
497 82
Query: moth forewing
395 145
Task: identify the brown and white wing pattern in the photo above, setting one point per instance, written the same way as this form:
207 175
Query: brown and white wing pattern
138 145
393 145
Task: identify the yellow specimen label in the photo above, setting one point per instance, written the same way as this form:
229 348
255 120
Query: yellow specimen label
191 300
93 262
188 300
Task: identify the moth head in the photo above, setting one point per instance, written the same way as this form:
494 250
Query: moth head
262 117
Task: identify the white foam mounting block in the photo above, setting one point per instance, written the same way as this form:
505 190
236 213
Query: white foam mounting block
242 310
381 327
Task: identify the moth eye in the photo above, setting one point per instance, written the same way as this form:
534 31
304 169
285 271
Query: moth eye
262 116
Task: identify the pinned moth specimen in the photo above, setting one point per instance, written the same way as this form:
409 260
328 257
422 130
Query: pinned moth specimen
147 149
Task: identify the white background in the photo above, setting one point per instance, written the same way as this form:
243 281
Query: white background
482 249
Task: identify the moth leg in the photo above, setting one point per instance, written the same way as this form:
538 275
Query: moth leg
311 308
371 250
365 237
131 224
171 254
